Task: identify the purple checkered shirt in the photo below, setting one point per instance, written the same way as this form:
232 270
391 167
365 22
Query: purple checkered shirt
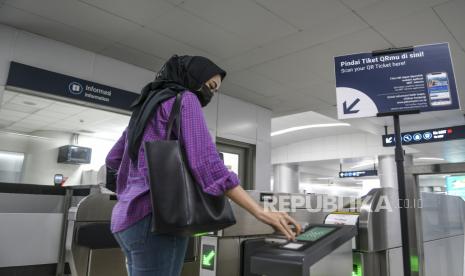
132 182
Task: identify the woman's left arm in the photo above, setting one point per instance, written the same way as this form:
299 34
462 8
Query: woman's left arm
204 161
115 155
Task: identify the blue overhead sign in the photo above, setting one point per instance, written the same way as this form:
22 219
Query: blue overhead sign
420 79
426 136
36 80
358 173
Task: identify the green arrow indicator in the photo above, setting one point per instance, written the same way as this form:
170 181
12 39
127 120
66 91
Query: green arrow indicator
207 259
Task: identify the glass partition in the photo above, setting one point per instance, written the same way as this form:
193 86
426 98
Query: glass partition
11 165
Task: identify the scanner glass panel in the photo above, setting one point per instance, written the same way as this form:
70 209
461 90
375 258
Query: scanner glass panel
315 233
293 245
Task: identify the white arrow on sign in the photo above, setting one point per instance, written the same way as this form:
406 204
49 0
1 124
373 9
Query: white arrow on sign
389 140
352 103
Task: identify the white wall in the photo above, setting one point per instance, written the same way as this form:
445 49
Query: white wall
227 117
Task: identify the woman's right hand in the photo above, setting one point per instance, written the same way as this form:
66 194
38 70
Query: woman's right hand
281 222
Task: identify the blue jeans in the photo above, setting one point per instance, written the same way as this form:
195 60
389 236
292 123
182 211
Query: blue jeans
149 254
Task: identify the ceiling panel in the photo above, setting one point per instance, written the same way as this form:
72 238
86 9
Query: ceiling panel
452 14
5 122
51 29
247 95
389 11
298 102
19 107
305 13
65 108
52 55
323 90
426 26
176 2
42 118
257 83
50 114
322 56
158 44
7 95
294 70
358 4
195 31
134 56
15 115
302 69
57 116
323 32
28 124
78 15
242 17
66 125
31 101
143 12
111 72
20 128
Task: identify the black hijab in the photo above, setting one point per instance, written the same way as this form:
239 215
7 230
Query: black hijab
178 74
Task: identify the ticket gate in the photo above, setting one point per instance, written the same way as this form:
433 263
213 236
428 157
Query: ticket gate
315 252
91 249
229 252
376 249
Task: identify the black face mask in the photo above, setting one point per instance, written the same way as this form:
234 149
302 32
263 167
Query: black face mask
205 95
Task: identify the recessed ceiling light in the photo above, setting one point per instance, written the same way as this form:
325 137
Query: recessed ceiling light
364 164
430 158
293 129
86 131
25 135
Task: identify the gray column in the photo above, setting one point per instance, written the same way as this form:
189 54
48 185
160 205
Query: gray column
286 178
387 171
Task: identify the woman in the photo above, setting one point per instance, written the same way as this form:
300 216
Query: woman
147 253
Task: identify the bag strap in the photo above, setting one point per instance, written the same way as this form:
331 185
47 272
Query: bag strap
175 117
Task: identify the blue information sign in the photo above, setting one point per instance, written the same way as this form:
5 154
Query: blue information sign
68 88
422 79
346 174
426 136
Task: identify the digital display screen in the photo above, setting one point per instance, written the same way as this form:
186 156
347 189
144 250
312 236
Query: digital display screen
315 233
208 257
438 88
293 245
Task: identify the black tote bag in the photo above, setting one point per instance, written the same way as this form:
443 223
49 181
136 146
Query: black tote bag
179 206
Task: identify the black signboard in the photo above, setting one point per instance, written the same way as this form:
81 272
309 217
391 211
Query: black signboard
427 136
358 173
32 79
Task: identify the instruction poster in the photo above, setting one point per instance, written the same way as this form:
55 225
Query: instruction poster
420 79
